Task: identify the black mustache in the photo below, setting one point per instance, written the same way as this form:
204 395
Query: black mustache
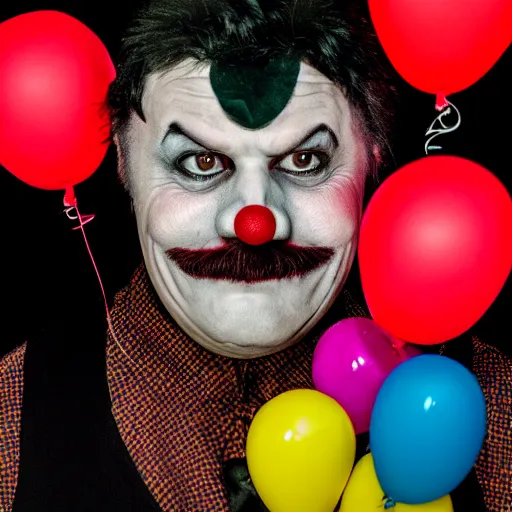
236 261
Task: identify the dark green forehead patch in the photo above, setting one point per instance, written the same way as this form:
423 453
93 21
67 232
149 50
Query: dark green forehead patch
254 94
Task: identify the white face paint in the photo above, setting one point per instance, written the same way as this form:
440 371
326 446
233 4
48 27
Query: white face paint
186 202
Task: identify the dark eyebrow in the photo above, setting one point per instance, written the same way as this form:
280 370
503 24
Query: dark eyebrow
319 129
177 129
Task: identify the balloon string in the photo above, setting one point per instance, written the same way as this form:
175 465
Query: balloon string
71 204
442 127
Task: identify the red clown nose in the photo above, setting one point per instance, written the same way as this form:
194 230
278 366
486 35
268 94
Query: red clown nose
255 225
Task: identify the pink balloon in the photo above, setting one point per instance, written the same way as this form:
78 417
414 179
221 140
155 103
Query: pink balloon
351 361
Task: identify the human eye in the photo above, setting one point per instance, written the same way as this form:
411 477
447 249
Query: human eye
302 163
204 165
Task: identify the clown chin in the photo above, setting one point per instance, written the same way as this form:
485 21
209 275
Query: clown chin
249 320
238 319
251 315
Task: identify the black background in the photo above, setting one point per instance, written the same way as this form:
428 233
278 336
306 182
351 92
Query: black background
47 277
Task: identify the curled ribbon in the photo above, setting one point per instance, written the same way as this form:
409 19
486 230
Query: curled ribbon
439 126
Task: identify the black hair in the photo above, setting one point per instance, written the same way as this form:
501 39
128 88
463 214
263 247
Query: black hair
334 36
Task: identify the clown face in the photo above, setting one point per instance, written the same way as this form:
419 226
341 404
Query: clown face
191 169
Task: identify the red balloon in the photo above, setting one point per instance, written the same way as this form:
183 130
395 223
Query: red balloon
54 76
255 224
435 248
443 46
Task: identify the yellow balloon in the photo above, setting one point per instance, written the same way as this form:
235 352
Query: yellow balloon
364 494
300 451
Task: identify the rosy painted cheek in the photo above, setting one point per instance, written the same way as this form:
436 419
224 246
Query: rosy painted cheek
329 216
346 198
347 206
177 219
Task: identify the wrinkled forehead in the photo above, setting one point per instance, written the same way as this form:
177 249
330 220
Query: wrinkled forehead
184 94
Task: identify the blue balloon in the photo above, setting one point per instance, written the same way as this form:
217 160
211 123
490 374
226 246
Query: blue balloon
427 428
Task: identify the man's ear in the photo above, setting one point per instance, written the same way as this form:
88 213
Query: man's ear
115 138
377 154
122 157
373 179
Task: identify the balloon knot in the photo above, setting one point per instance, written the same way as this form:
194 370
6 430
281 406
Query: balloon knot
441 101
398 344
390 503
69 198
399 347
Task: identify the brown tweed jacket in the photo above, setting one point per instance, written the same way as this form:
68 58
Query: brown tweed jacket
182 412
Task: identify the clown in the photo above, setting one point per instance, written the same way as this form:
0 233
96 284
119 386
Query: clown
246 132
